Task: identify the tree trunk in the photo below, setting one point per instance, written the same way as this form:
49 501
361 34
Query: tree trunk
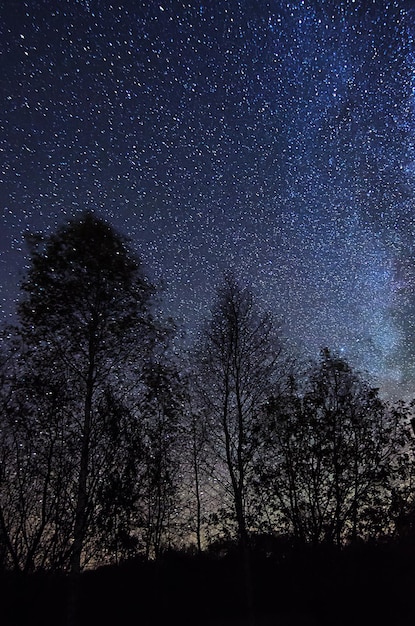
80 511
198 503
82 494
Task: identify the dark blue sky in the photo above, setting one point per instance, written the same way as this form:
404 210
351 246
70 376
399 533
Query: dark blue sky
274 137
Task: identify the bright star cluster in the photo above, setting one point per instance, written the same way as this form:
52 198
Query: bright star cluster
273 137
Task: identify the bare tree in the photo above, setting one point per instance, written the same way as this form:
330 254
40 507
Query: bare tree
194 451
239 362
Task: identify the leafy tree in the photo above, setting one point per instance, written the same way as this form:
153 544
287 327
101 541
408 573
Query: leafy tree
333 449
161 410
120 440
86 317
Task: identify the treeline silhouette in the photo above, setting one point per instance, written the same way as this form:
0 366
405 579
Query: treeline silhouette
230 481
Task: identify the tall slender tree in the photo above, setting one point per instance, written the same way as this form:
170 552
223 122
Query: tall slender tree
86 310
239 360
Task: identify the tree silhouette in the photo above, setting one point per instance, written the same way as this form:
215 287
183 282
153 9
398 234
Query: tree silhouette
239 359
86 311
334 448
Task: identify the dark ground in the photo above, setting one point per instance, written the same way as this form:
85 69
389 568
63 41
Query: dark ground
361 586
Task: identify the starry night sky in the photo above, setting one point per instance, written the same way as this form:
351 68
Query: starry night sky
277 138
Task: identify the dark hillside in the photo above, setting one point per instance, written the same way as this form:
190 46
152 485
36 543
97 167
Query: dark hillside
364 586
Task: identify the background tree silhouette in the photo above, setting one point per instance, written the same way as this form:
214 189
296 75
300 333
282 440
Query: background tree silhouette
334 450
239 361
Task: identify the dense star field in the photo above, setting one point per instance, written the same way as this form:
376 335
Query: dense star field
273 137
